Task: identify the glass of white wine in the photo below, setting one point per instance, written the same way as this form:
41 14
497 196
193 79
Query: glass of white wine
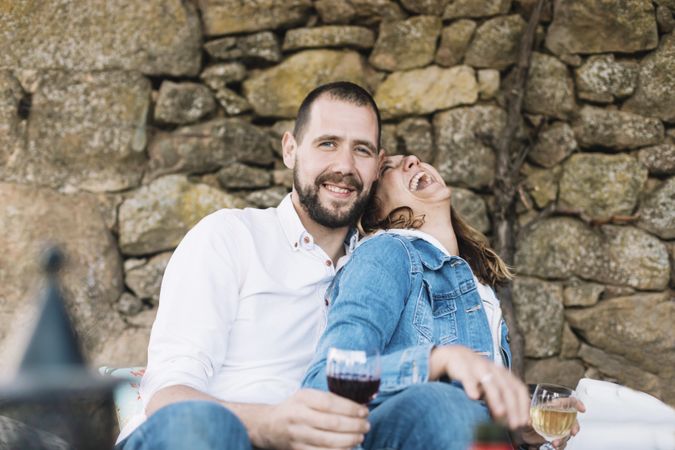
553 411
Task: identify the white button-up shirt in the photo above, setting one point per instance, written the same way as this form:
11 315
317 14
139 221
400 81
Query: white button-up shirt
241 307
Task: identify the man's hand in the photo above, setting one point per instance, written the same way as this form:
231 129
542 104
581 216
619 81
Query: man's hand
308 420
312 419
506 396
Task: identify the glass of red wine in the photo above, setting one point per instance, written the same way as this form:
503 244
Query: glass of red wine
353 374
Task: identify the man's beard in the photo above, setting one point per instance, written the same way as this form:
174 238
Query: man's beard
327 216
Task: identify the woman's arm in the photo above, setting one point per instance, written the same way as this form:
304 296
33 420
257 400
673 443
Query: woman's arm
371 292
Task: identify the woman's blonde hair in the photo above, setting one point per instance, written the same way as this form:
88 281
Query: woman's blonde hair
473 245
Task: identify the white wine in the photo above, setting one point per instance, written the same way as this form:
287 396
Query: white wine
552 423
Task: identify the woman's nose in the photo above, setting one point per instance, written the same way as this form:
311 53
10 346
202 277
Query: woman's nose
410 162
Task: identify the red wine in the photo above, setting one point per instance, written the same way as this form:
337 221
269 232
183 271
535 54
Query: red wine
356 389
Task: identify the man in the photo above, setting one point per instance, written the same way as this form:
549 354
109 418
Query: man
242 300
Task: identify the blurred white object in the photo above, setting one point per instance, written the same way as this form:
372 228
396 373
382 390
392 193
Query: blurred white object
620 418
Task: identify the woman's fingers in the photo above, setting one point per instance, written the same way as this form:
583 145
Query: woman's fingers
472 387
493 397
506 397
580 405
516 399
560 444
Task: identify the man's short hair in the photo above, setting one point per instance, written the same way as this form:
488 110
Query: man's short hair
339 90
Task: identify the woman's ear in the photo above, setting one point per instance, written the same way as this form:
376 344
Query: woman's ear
289 147
380 161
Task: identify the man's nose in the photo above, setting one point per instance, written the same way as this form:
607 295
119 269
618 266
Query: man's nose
410 162
344 160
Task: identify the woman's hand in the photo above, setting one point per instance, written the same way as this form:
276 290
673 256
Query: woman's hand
533 439
506 396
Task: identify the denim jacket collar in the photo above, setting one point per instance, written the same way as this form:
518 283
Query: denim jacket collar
430 250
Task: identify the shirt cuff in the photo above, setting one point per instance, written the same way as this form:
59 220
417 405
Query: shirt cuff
405 368
184 371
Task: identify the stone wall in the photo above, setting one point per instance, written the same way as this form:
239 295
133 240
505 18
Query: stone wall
122 123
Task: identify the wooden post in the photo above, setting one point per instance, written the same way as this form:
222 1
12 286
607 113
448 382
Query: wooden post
505 188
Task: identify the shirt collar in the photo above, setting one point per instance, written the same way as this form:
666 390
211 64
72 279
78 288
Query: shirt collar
297 235
290 222
351 241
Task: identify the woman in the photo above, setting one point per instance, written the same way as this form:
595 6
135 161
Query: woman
420 293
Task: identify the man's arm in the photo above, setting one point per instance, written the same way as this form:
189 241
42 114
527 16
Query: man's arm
189 340
308 418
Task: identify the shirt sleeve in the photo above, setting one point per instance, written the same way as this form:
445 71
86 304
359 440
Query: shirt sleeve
369 297
198 303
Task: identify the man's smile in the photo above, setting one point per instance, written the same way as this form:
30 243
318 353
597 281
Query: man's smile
340 191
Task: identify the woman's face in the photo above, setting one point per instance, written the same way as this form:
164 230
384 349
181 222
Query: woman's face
405 181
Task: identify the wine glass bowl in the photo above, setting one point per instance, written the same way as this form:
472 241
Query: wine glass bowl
553 411
353 374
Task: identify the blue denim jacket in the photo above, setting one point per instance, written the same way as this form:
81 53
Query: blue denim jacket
403 295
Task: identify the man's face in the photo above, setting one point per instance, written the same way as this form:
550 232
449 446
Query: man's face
336 163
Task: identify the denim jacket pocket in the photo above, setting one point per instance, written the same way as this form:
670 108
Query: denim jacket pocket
422 318
445 318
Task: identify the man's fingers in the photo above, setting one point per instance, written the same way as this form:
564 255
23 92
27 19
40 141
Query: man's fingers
308 436
331 403
335 422
314 447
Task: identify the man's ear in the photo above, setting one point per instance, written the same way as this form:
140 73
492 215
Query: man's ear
288 146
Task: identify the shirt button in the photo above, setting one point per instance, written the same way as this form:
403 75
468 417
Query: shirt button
325 300
329 262
295 245
306 240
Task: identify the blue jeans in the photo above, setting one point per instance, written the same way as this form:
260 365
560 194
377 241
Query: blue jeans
194 425
425 416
